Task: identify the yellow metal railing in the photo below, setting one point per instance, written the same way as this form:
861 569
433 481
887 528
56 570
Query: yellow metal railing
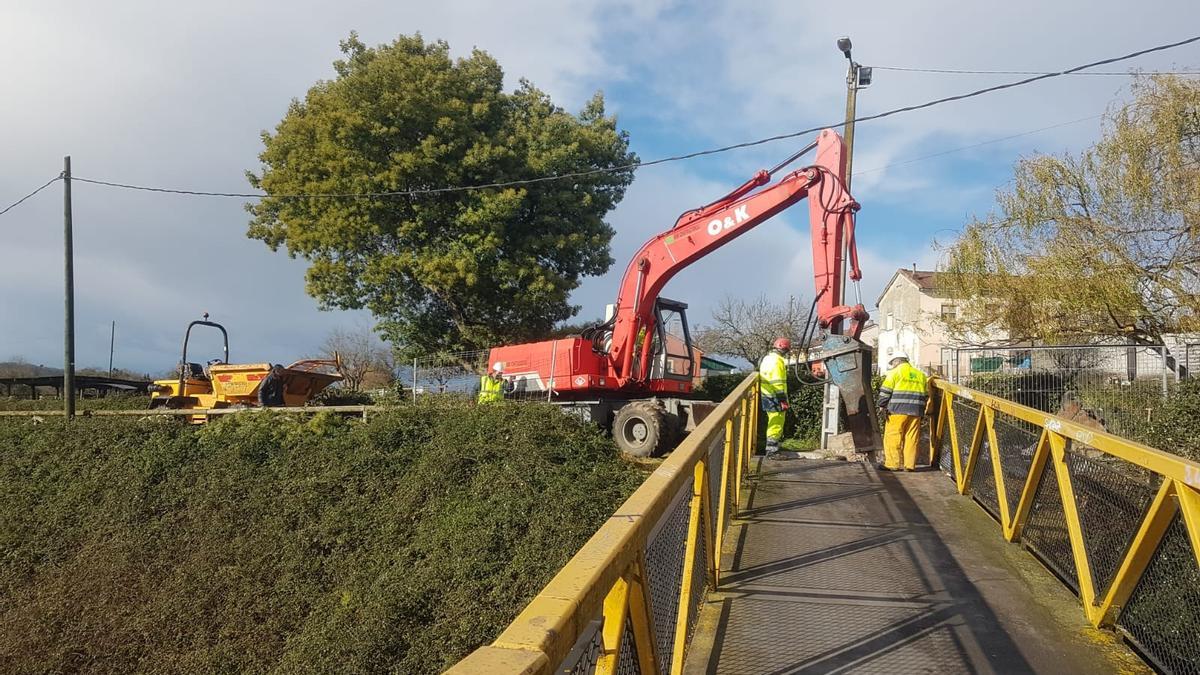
1125 509
629 599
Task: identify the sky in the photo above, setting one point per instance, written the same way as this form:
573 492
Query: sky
176 95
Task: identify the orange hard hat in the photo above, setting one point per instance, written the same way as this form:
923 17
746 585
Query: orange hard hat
783 344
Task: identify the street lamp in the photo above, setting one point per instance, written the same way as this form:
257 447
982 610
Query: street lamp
857 77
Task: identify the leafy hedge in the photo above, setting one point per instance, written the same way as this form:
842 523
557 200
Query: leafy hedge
718 387
111 402
1176 425
1043 391
267 542
804 414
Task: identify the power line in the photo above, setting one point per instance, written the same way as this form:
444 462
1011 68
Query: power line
18 202
976 145
663 160
953 71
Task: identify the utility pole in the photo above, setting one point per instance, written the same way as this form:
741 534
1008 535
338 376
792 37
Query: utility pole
844 45
112 339
857 76
69 304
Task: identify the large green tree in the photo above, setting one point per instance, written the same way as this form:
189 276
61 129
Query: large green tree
1098 244
447 269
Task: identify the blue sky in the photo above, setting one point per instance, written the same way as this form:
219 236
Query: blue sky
150 93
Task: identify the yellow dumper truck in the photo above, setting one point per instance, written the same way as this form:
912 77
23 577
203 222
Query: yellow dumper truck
220 384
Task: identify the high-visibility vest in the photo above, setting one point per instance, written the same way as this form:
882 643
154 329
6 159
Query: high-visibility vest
772 376
490 389
905 390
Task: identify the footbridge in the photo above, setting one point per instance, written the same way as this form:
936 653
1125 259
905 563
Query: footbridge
1028 543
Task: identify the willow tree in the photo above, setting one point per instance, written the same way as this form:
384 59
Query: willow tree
1103 243
441 270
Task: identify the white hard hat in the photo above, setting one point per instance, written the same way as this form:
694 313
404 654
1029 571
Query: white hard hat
898 355
498 367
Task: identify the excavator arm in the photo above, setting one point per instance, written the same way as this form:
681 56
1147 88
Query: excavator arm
701 231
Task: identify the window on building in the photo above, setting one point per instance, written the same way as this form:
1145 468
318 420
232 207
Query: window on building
888 324
949 311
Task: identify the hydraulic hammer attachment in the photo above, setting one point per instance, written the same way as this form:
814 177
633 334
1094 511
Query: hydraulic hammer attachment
848 364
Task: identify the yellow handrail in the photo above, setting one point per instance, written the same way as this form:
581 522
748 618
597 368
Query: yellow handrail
609 582
1179 492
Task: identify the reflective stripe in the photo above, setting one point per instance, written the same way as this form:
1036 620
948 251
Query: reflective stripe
772 376
906 408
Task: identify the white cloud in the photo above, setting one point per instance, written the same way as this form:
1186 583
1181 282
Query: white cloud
177 94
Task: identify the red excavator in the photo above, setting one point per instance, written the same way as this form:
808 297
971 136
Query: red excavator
636 369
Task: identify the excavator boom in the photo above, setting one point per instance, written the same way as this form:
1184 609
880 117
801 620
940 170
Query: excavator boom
701 231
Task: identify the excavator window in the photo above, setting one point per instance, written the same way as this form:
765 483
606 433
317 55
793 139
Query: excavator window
672 349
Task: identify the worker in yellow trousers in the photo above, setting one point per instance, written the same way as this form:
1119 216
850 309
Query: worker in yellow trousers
903 397
772 382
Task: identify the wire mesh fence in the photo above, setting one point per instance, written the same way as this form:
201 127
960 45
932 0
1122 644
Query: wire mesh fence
1163 613
1119 388
1089 517
462 374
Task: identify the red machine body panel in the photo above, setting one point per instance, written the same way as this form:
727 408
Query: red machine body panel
569 365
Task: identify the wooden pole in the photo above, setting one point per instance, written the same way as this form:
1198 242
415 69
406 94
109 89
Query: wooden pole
69 302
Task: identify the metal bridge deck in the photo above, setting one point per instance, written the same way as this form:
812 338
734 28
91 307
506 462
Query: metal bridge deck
835 567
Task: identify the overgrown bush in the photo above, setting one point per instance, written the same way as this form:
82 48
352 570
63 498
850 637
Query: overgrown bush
302 544
343 396
1176 426
110 402
718 387
804 413
1127 410
1043 391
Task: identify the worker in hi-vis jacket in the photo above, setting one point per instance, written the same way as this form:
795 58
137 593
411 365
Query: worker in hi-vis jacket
903 397
492 386
772 382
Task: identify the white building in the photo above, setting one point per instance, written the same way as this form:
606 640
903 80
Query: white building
909 313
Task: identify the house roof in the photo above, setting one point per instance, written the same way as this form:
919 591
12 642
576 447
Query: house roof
925 280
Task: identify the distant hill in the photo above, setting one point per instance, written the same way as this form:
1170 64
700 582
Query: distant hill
23 369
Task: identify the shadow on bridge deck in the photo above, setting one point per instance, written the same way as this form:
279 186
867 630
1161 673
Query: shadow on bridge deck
837 568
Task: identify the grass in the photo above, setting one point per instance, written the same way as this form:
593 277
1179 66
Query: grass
269 543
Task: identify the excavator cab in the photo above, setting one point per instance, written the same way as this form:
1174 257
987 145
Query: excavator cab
674 358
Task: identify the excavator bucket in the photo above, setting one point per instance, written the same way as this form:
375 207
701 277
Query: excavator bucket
848 363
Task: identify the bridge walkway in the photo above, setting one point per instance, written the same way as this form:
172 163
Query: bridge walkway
833 566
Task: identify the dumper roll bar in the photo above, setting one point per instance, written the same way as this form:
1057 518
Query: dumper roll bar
187 336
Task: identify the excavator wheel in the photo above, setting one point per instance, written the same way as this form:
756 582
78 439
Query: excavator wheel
640 429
